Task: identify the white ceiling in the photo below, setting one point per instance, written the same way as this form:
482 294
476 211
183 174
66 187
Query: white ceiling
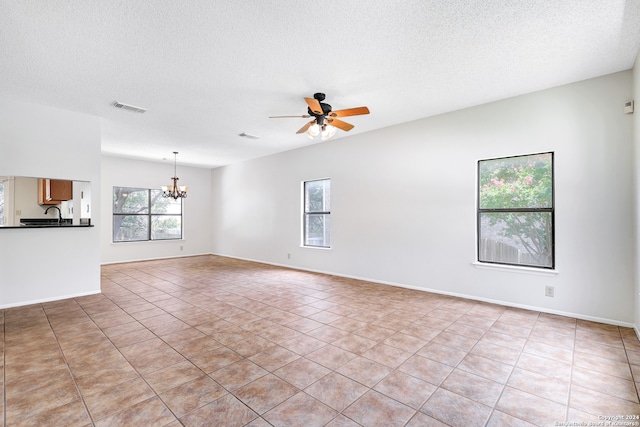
208 70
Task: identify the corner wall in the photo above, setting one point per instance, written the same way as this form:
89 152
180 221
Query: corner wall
636 145
403 201
39 265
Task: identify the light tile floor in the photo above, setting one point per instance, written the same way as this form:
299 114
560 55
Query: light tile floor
220 342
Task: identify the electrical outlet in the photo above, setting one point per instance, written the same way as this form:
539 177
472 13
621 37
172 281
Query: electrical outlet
548 291
181 247
288 256
18 212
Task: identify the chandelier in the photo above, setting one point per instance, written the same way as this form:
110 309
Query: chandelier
173 190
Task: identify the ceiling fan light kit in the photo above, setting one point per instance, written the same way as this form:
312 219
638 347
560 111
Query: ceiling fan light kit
325 122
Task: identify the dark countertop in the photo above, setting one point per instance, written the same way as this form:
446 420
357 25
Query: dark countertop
49 223
48 226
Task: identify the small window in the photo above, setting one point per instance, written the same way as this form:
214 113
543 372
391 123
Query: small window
317 213
515 211
143 214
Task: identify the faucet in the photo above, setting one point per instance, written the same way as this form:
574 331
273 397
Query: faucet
59 213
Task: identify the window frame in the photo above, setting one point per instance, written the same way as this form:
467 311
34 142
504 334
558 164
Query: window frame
149 216
550 210
306 214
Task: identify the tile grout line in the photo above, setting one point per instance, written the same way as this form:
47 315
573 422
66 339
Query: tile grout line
573 353
4 370
504 386
175 294
155 335
66 362
186 358
626 353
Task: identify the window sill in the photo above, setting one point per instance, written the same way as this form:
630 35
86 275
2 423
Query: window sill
321 248
515 269
148 241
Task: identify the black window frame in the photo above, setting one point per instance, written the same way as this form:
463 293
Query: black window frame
306 214
550 210
149 215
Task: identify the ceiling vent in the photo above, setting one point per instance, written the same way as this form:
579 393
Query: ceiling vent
128 107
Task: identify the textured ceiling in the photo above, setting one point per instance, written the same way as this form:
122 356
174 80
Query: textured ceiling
208 70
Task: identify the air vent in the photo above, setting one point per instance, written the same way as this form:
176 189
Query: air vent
129 107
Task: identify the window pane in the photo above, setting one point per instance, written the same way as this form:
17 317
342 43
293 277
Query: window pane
317 230
164 205
127 228
317 196
516 238
166 227
516 182
130 200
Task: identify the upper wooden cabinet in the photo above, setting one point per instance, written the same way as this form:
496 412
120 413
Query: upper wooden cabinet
54 191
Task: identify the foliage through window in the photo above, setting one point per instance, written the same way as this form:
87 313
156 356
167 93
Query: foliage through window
317 213
143 214
515 211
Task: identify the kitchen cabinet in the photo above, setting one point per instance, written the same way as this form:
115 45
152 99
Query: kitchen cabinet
54 191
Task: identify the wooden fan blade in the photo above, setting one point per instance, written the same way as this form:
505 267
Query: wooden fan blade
314 105
340 124
349 112
304 128
306 116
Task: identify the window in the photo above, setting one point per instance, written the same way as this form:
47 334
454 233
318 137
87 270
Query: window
143 214
515 211
317 213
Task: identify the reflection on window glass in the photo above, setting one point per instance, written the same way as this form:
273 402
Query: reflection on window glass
166 227
130 200
515 210
129 228
143 214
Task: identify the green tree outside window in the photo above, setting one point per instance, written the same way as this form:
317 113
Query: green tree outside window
515 210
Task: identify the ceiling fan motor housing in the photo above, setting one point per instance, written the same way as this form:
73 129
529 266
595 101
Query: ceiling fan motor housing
326 109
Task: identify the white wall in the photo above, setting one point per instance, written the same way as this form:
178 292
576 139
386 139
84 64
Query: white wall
47 264
120 172
403 201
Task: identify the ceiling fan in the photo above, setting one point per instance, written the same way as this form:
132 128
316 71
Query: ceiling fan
325 121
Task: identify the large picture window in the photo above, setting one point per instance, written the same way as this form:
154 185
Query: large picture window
317 213
143 214
515 211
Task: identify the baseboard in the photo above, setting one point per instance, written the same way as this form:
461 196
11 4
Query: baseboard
40 301
453 294
154 258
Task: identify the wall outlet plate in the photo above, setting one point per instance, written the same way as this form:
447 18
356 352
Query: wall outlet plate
548 291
